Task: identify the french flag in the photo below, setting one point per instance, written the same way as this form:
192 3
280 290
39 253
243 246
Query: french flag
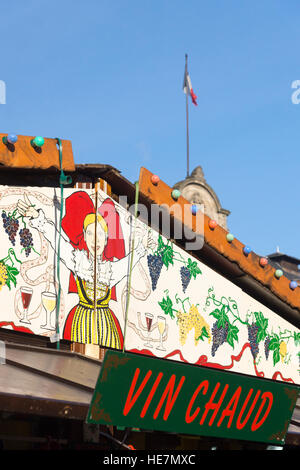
187 86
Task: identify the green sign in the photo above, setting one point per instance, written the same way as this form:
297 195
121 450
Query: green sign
138 391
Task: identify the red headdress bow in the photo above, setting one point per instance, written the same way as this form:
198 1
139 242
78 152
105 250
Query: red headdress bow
78 206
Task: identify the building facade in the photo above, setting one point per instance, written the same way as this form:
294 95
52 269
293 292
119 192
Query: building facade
48 375
196 190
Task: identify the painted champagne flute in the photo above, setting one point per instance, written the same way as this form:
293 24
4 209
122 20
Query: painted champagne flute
26 294
161 323
49 304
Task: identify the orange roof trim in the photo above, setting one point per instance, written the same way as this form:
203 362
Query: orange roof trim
160 193
23 155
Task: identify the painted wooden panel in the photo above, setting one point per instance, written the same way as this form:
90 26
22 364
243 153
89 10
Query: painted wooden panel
178 308
135 391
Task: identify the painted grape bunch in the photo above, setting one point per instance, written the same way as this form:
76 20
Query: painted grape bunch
11 226
187 272
165 256
155 264
185 275
227 327
227 314
26 240
252 336
266 346
219 334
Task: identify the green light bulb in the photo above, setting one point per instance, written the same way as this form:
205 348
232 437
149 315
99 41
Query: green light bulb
176 193
38 141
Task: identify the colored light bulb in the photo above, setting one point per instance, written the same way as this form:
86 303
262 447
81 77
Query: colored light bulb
38 141
230 237
155 179
247 250
263 261
12 138
176 193
212 224
194 209
293 285
278 273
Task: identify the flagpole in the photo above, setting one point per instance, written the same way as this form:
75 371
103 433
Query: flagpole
187 126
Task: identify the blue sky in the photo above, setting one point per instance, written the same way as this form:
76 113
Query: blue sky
108 76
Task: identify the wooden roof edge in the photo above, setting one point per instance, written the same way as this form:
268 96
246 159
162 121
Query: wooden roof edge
215 238
22 154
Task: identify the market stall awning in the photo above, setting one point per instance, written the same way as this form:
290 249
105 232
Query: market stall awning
47 382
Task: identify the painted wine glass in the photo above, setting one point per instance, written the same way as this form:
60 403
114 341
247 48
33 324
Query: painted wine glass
149 320
49 304
26 294
161 324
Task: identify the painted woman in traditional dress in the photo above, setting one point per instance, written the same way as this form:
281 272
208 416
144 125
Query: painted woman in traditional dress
79 249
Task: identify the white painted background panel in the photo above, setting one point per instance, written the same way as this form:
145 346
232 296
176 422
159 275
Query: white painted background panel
182 332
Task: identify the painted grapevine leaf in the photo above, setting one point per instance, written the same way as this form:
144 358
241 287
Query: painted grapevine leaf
160 243
297 338
276 356
193 268
13 280
262 324
165 251
216 313
232 334
203 335
274 343
12 272
261 335
167 306
167 256
223 318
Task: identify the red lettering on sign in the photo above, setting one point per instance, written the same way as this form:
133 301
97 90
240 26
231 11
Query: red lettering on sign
239 423
150 396
228 411
130 400
169 391
265 396
210 405
188 418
